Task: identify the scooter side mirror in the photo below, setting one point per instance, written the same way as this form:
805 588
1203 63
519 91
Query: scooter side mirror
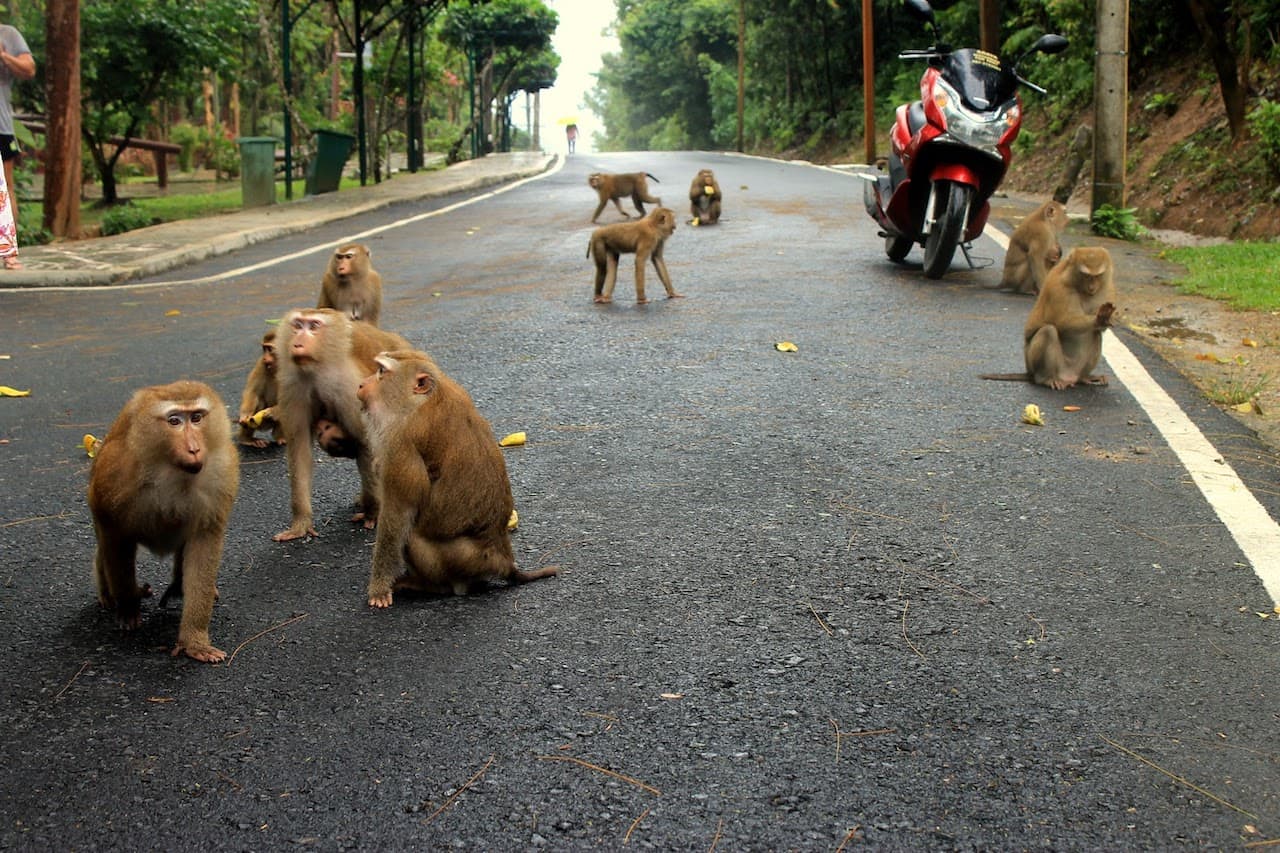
919 9
1050 43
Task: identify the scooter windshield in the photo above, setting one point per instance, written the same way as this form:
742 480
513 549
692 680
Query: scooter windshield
983 83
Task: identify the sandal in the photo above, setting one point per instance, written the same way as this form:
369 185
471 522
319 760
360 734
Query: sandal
12 263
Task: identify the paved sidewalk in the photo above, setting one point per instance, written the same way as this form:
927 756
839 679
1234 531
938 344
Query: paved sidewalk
149 251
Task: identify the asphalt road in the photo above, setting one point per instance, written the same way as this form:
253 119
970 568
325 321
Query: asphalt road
820 600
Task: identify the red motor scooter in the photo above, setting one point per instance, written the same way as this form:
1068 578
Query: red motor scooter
949 150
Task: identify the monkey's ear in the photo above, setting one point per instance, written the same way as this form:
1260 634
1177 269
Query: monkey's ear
424 383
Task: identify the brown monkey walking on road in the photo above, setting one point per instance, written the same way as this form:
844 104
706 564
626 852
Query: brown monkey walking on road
646 238
325 356
1062 339
260 395
705 198
1034 249
445 495
611 187
351 284
165 477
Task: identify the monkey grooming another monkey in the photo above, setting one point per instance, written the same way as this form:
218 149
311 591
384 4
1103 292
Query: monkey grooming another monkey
326 354
260 394
611 187
1034 249
646 238
165 477
1062 339
445 495
705 198
351 284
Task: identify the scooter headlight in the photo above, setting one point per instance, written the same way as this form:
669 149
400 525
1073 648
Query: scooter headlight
978 129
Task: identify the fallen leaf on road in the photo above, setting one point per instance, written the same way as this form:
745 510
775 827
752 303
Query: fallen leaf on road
1248 342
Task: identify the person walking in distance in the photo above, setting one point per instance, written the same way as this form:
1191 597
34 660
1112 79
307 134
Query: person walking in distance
571 135
16 63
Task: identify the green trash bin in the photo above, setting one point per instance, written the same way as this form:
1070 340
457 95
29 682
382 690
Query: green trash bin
325 171
257 170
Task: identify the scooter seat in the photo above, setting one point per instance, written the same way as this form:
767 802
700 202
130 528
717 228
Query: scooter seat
915 117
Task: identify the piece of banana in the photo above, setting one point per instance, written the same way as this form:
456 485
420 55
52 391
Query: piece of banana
261 415
514 440
786 346
514 521
91 445
1031 415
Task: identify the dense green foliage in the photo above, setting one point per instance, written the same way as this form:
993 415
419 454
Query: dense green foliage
673 84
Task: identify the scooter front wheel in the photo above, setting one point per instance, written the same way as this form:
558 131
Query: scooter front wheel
948 226
897 247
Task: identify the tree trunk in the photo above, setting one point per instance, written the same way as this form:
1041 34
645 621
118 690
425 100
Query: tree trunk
62 176
1213 21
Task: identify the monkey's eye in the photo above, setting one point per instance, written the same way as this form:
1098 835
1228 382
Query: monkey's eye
197 417
175 420
345 256
298 324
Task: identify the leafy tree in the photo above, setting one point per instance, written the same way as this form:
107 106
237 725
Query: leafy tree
136 53
498 35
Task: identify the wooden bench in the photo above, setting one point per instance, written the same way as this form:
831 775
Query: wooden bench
160 150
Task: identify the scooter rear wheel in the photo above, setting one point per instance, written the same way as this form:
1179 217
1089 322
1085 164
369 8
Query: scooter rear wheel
940 245
897 248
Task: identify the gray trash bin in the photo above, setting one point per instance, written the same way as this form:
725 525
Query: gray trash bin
257 170
332 150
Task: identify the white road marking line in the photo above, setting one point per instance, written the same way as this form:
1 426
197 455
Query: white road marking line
1254 530
301 253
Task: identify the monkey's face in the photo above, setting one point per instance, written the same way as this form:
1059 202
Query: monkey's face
344 261
307 334
269 357
184 427
594 180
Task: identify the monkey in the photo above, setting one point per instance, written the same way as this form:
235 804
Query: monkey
611 187
1034 249
334 441
445 496
352 285
705 198
326 354
646 238
165 477
1062 339
260 394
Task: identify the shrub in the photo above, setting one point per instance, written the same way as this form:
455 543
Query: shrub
1264 121
125 217
186 135
1119 224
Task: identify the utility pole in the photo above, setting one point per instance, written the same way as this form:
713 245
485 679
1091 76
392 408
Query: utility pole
989 26
742 66
868 83
1110 103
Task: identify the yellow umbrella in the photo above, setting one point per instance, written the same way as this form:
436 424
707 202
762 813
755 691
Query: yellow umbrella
567 120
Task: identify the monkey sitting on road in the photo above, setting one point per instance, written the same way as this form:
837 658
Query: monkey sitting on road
705 198
351 284
260 395
444 492
1062 339
646 238
1033 248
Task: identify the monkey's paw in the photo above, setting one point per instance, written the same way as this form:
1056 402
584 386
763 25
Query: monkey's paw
295 532
381 601
202 652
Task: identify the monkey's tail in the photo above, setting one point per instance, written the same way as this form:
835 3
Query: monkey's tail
1007 377
655 179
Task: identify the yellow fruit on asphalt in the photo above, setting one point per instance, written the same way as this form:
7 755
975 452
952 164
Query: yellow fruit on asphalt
90 445
786 346
514 440
694 222
514 521
1031 415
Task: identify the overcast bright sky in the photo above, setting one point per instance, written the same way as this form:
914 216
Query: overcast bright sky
580 42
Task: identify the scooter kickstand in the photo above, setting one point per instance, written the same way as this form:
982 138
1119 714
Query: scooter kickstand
965 247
